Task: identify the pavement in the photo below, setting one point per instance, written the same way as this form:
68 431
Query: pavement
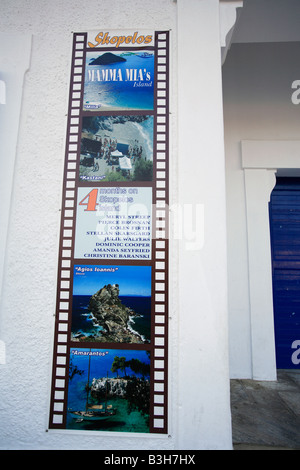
266 415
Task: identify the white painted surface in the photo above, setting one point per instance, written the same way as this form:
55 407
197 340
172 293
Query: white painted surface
203 392
229 11
15 52
29 288
261 161
259 184
14 61
280 154
261 135
2 92
199 387
268 21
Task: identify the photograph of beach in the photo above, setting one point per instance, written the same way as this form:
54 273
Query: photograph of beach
111 304
116 148
119 81
108 390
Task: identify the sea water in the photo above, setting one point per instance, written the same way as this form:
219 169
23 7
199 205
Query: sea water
100 366
120 94
142 323
82 319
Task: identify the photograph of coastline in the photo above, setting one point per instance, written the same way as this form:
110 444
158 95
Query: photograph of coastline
116 148
119 81
111 304
108 390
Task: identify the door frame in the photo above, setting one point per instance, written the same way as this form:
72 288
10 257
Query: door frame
261 162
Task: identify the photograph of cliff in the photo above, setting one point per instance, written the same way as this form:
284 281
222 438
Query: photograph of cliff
111 304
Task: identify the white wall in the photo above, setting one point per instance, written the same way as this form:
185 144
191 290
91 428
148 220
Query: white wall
257 83
202 270
268 21
15 52
199 385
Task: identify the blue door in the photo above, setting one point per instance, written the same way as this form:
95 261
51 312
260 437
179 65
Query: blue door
285 242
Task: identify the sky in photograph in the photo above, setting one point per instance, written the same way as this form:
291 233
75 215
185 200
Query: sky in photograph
132 280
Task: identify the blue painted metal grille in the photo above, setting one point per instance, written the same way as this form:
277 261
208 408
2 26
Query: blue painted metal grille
285 241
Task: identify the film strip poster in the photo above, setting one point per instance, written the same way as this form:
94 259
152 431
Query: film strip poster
110 363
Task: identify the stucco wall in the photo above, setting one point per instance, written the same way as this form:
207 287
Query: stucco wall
29 287
199 386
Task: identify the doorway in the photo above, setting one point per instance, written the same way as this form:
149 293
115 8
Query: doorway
285 243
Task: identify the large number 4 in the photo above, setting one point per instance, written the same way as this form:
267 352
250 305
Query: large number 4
90 200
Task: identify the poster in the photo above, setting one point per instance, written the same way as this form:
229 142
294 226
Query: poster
109 390
114 223
119 81
110 358
111 304
117 148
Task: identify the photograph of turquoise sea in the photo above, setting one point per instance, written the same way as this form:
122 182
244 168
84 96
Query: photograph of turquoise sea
123 81
109 390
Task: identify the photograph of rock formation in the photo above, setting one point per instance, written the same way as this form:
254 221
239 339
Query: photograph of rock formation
112 304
